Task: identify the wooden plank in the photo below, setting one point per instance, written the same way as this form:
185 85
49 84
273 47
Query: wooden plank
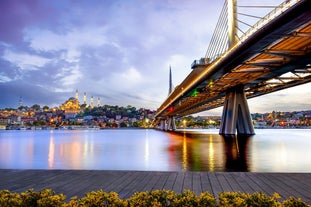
170 181
205 183
124 189
225 185
216 187
235 186
178 185
187 184
146 186
303 180
278 185
137 185
196 183
288 187
161 181
152 182
240 182
266 185
261 185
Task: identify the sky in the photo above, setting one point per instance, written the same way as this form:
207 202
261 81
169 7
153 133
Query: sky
117 50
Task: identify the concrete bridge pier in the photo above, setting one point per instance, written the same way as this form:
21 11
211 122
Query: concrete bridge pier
163 125
236 115
171 123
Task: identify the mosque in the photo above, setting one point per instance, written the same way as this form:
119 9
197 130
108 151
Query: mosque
72 105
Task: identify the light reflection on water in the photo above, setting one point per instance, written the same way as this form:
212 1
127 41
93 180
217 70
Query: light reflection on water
196 150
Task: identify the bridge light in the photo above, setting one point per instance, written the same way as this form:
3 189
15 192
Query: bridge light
194 93
171 109
210 84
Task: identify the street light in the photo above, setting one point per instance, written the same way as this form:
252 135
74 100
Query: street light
184 123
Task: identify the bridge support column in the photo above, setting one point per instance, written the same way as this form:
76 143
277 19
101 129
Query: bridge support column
171 123
163 125
236 115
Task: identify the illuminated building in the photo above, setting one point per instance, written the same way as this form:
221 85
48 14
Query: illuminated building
77 95
92 102
71 107
98 102
84 98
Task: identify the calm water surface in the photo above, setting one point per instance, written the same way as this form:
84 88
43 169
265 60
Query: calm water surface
270 150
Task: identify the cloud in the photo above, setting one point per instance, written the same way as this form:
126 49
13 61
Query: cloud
69 76
75 38
117 50
4 79
25 61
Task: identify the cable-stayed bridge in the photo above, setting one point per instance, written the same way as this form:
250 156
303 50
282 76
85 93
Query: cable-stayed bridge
274 54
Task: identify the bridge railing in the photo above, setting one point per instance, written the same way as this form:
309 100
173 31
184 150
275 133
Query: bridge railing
258 25
270 16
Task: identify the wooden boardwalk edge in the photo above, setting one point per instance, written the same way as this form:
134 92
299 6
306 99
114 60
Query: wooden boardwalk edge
126 183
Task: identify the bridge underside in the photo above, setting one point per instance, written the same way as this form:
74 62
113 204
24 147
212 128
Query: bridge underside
273 58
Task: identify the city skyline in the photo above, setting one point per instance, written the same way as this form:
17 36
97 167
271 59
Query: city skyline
118 51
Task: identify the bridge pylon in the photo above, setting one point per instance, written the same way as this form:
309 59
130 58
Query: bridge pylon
168 124
236 115
171 123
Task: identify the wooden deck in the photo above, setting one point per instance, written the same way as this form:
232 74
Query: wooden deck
125 183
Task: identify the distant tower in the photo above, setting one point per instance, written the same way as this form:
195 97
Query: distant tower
170 89
20 102
77 95
84 98
92 102
98 102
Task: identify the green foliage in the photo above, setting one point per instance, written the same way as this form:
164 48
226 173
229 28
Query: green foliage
154 198
157 198
297 202
101 199
43 198
8 199
36 107
235 199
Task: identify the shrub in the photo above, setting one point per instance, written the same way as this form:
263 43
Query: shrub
297 202
242 199
154 198
101 199
43 198
8 199
157 198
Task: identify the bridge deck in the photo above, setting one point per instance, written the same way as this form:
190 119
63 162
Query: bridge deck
125 183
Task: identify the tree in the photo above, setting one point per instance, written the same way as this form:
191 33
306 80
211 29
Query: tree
36 107
45 108
123 124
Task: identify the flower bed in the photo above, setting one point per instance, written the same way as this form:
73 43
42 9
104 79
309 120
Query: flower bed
157 198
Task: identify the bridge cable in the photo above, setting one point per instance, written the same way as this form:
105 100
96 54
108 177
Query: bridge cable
219 41
249 13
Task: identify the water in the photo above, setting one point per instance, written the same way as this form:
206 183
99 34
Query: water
275 150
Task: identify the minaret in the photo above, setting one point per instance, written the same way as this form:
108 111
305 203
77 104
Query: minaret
77 95
170 89
92 102
84 98
98 102
20 102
